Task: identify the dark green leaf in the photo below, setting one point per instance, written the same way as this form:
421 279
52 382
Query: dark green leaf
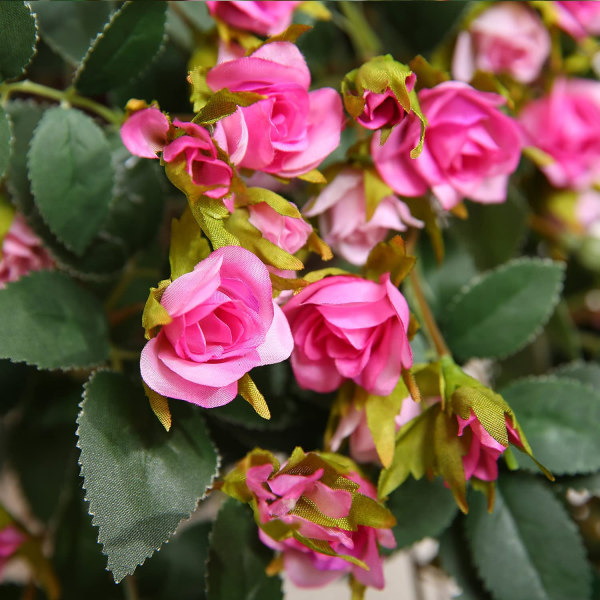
69 27
422 509
71 176
560 419
47 320
140 481
504 309
586 373
237 558
5 142
528 547
126 46
18 39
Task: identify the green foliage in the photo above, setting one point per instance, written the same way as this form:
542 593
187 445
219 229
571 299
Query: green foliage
140 481
237 559
127 45
528 547
18 39
71 176
51 322
5 142
504 309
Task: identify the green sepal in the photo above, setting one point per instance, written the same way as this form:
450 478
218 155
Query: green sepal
256 195
322 547
155 314
251 394
390 257
221 104
428 76
234 483
7 215
375 191
160 407
188 246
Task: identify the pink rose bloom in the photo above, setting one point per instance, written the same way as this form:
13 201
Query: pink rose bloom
383 110
508 37
587 210
289 132
471 148
264 18
278 497
566 125
579 19
343 224
354 425
22 252
349 328
10 540
145 132
289 233
224 323
482 459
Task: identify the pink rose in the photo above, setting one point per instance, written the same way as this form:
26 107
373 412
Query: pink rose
354 425
471 148
349 328
343 224
566 125
145 132
224 323
264 18
288 233
22 252
281 495
508 37
482 459
578 19
383 110
10 540
289 132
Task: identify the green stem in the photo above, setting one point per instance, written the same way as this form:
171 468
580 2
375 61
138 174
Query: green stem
68 96
131 591
353 22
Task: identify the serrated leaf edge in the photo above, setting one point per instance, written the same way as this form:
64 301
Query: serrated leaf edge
35 41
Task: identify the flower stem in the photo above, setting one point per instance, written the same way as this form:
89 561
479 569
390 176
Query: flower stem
68 96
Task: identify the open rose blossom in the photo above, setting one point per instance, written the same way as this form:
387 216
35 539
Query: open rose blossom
306 497
10 540
343 224
578 19
482 459
349 328
508 37
289 132
471 148
21 252
264 18
224 323
566 125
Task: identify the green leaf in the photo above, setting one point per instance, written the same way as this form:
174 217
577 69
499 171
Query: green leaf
127 45
560 418
71 176
5 142
528 547
431 508
140 481
500 312
237 559
584 372
69 27
49 321
18 39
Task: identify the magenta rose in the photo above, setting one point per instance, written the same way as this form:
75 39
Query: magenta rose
224 323
566 125
145 132
342 211
10 541
471 148
349 328
482 459
508 37
289 233
264 18
22 252
278 495
578 19
289 132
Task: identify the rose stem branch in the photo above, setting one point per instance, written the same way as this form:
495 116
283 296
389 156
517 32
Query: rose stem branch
68 96
354 24
131 590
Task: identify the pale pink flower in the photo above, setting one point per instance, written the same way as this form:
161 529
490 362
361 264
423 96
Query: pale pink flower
10 540
566 125
289 132
471 148
349 328
264 18
508 37
343 224
224 323
587 210
145 132
22 252
579 19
